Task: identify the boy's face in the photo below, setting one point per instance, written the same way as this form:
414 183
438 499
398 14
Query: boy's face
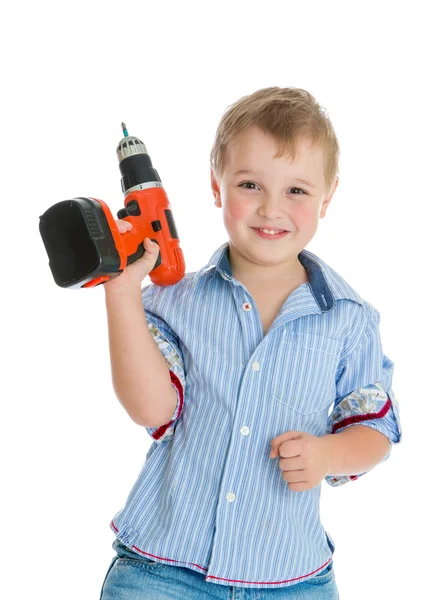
269 194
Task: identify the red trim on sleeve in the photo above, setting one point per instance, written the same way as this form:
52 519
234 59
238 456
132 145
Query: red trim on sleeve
162 430
365 417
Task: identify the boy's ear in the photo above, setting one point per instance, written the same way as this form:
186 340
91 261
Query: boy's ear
328 199
215 189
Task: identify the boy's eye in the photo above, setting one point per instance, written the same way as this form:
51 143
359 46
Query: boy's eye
251 183
247 183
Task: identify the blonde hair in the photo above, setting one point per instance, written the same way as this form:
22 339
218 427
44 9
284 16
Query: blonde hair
287 114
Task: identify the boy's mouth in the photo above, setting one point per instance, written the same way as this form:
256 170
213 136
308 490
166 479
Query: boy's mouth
268 233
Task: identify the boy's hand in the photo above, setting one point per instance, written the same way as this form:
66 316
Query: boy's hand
134 274
304 459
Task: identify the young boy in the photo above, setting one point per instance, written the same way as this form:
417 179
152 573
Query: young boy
234 370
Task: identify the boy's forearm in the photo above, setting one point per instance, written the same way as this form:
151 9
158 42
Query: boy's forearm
355 450
140 373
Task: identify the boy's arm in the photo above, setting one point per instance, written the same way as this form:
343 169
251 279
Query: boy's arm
141 376
363 405
356 449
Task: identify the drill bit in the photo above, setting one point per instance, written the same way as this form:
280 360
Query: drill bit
125 132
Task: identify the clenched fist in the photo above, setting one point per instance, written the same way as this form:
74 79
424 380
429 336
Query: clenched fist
304 459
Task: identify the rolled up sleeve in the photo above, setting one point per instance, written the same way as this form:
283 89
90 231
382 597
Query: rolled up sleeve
168 344
364 394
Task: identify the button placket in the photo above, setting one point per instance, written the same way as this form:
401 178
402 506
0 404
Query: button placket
244 430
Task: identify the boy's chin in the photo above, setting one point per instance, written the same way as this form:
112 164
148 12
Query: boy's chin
274 255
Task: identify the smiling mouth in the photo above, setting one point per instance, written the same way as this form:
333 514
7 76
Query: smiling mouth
270 229
280 233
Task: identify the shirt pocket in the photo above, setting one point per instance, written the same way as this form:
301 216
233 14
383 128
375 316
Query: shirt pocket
304 372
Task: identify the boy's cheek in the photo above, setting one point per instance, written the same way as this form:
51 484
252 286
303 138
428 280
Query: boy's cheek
238 212
305 218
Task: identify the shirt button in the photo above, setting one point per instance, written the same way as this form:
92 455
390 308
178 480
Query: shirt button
230 497
247 306
244 430
256 366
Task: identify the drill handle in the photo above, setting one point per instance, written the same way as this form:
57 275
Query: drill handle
141 251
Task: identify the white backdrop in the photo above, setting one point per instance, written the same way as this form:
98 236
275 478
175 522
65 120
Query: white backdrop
71 72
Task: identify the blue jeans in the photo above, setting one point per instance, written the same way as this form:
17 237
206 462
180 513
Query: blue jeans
133 577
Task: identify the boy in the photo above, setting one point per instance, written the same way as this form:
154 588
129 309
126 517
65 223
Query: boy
233 373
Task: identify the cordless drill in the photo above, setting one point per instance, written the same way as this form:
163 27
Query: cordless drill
83 242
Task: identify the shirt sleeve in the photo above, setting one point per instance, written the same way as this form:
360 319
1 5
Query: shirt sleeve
364 394
168 344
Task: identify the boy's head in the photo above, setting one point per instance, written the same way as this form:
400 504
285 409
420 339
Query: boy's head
266 147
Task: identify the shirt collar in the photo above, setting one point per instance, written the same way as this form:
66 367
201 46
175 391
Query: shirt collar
326 285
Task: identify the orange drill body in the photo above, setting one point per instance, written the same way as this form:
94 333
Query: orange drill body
152 222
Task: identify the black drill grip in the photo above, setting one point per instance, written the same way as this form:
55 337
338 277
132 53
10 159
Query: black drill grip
140 252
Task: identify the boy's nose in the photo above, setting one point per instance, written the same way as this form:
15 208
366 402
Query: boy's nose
270 207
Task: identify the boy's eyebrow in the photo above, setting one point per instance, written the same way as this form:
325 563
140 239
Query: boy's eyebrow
247 171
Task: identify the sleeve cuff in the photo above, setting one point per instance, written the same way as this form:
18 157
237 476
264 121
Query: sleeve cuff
174 359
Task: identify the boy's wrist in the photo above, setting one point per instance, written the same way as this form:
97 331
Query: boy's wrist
115 288
328 441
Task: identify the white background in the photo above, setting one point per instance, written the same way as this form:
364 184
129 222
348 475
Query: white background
70 73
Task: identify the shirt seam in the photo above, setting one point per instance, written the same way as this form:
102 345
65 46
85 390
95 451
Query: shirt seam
367 320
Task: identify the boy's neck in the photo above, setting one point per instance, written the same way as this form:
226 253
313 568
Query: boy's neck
253 275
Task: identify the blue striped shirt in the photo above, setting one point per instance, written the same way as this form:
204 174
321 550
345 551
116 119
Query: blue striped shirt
208 497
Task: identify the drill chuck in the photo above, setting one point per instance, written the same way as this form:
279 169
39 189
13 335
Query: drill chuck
135 165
